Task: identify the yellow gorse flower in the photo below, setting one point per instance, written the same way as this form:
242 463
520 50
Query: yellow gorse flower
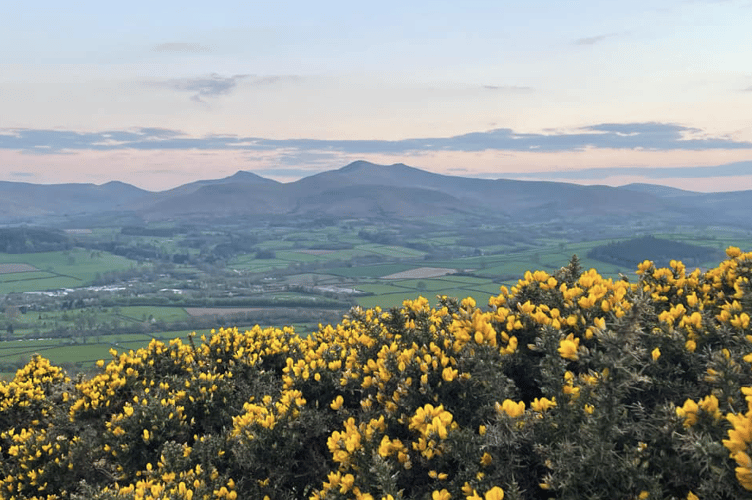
495 493
511 408
656 353
568 347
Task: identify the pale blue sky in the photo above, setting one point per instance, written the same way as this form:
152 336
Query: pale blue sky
598 91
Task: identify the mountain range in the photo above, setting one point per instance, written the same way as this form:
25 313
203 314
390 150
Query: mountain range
363 189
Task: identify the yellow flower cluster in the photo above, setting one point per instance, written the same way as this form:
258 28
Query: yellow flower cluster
495 493
31 386
578 310
267 415
513 409
433 425
690 410
187 485
739 442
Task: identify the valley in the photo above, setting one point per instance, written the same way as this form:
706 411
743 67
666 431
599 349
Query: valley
74 286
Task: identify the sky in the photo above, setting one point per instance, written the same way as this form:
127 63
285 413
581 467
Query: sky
158 94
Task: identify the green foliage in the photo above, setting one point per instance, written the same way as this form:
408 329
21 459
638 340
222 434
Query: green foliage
632 252
17 240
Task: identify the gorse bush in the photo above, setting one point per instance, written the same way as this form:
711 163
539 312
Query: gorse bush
565 386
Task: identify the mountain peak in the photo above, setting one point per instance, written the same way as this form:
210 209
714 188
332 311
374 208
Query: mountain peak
121 187
359 165
367 166
246 176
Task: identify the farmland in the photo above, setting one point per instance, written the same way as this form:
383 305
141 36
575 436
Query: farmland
74 305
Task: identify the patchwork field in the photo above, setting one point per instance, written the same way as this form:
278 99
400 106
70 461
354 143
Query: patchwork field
16 268
420 272
55 270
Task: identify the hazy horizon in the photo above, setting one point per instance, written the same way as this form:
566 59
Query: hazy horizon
530 176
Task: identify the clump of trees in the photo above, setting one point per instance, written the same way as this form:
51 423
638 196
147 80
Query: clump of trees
661 251
33 239
565 386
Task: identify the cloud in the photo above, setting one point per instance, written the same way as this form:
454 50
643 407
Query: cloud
216 85
297 157
210 86
592 40
651 136
192 48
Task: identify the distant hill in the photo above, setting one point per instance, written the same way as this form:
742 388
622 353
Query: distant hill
363 189
240 177
20 200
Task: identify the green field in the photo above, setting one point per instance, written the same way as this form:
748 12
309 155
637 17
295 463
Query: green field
372 271
135 316
73 268
145 313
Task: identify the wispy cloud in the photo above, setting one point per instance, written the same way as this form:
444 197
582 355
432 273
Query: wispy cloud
649 136
215 85
297 157
210 86
592 40
191 48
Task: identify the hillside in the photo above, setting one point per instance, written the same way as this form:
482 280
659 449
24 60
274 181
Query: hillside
20 200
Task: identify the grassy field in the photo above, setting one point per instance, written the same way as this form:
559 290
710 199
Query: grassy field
371 271
73 268
146 313
134 316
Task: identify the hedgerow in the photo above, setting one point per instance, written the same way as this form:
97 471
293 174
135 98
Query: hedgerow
565 386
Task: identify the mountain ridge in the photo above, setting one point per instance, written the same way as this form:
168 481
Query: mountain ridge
365 189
